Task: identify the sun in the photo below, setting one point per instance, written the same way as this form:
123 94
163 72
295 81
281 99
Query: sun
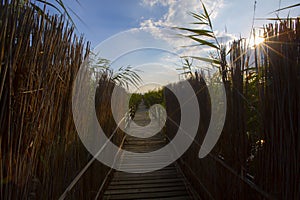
259 40
255 42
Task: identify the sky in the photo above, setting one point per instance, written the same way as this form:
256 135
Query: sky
137 32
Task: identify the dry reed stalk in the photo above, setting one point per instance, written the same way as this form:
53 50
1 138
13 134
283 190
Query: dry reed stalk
40 149
258 154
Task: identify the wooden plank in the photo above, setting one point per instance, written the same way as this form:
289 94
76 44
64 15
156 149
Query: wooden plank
148 195
172 198
158 172
131 186
148 175
166 183
144 165
126 182
146 190
163 176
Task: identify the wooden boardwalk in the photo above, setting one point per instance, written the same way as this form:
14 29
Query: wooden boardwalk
166 183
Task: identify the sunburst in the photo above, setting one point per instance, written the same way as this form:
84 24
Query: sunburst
256 41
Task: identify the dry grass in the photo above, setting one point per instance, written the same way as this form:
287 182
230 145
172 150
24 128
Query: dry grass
40 150
263 103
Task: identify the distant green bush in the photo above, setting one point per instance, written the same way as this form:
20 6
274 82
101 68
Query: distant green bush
135 100
154 97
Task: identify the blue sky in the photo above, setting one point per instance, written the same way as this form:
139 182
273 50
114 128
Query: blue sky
144 23
104 18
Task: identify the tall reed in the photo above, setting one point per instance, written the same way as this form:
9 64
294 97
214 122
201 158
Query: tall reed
257 155
40 150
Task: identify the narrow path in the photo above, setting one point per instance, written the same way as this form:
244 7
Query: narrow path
167 183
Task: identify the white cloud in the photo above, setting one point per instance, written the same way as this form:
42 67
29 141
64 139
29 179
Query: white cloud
177 16
152 3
